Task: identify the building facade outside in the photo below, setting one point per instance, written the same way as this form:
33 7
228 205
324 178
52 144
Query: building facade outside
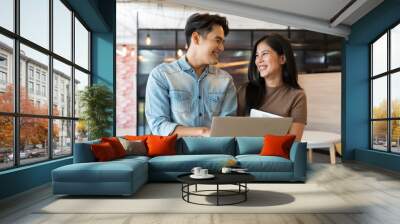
34 82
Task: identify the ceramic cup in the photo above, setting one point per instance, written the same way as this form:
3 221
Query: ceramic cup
203 172
196 170
226 170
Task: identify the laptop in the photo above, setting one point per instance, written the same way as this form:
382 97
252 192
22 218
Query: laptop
249 126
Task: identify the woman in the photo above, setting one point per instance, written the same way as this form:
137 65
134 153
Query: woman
273 85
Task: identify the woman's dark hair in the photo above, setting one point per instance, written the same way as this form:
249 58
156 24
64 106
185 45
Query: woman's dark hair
255 90
203 24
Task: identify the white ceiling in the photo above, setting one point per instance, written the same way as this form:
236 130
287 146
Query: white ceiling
320 9
139 14
315 15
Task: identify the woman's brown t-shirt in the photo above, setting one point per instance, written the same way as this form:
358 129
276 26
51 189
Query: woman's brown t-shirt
284 101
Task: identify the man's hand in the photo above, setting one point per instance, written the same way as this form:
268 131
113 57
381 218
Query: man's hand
183 131
205 132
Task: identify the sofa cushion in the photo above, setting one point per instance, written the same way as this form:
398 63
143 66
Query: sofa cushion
257 163
130 158
111 171
206 145
249 145
185 163
83 153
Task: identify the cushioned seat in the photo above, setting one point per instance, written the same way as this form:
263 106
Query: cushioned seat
184 163
94 172
128 159
125 176
265 163
166 168
267 168
118 177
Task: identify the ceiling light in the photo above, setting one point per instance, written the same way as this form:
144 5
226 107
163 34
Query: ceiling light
148 40
122 51
179 53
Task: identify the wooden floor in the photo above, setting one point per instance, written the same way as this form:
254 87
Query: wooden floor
377 188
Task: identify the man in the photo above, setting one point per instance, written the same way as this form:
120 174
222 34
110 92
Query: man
183 96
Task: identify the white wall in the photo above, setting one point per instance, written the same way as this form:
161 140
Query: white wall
323 101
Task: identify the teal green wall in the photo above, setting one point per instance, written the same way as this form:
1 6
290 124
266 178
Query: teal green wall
103 64
103 58
380 159
355 99
24 178
355 129
91 12
100 17
103 54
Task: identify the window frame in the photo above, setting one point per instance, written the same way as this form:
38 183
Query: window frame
15 71
388 74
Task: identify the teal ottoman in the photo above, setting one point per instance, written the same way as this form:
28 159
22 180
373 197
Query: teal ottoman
118 177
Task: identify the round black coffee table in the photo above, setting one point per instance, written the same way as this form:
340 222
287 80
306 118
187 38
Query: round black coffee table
238 179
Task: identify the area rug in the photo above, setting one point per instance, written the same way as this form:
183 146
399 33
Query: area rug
167 198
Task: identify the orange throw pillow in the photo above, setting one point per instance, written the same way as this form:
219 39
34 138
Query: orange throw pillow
161 145
277 145
116 145
103 151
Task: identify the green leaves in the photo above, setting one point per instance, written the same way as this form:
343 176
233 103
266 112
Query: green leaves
96 102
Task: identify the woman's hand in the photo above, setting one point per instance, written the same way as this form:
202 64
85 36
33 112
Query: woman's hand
297 129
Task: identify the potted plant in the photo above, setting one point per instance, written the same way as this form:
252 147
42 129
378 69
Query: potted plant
96 103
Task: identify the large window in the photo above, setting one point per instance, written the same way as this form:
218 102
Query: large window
81 45
314 53
34 22
40 80
385 92
7 14
62 43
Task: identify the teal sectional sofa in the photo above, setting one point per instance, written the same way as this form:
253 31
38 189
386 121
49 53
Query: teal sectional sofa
125 176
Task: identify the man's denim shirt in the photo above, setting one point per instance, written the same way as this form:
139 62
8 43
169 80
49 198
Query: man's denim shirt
176 96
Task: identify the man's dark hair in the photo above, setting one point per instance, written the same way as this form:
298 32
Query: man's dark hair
203 24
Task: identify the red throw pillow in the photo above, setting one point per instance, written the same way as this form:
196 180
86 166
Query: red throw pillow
161 145
103 151
277 145
116 145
